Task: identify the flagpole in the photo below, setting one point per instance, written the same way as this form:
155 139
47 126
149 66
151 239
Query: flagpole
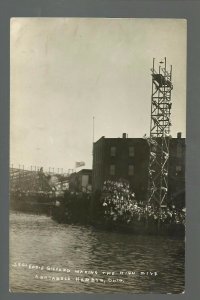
92 139
93 131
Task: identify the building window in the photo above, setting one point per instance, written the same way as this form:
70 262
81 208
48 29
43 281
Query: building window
179 150
131 151
113 151
112 169
178 168
130 170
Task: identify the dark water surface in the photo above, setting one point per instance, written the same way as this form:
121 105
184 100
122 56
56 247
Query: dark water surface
38 244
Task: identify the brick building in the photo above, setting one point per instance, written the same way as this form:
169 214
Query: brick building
128 158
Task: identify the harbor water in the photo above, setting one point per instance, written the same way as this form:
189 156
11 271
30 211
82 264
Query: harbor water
47 257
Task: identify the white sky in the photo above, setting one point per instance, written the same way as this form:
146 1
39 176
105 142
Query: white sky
64 71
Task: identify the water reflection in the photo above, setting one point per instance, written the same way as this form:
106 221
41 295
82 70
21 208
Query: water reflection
39 241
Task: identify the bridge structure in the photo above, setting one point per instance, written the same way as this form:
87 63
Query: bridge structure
37 181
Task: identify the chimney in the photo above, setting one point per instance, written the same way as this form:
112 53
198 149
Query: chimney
179 135
124 135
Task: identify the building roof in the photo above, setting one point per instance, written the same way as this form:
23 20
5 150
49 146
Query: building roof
128 138
85 171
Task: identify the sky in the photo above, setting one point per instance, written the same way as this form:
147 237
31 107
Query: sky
65 71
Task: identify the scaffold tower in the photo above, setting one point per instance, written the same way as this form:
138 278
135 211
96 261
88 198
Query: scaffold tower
159 134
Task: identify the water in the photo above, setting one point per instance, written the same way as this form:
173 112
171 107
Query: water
38 244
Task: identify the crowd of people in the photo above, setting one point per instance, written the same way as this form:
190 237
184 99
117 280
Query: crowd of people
120 205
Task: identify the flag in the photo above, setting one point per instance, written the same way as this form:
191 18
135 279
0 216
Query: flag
79 164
